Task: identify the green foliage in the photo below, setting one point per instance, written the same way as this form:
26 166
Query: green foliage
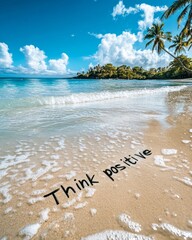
184 7
108 71
157 37
178 44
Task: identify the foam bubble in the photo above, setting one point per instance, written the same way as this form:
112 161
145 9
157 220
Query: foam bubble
35 200
169 151
172 230
93 211
126 222
44 215
29 231
90 192
186 141
159 160
69 203
69 216
69 175
185 180
116 234
80 205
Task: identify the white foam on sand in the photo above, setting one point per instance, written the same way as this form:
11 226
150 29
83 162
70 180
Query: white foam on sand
69 203
8 210
38 192
69 175
172 230
186 141
185 180
44 215
160 161
4 190
90 192
32 201
12 160
4 238
69 216
168 151
126 222
116 235
29 174
93 211
80 205
29 231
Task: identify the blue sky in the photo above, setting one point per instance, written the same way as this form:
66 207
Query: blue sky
61 37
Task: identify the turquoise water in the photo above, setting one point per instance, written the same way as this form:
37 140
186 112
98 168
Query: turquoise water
40 108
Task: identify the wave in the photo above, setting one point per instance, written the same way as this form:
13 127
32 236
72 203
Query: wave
101 96
80 98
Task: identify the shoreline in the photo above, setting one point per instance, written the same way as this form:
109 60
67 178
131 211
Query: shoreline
76 78
154 191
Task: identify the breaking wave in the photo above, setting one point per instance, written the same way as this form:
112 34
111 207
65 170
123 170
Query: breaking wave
84 97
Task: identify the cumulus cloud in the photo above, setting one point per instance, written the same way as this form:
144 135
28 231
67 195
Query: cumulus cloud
36 62
35 58
148 15
59 65
119 50
5 57
148 12
120 9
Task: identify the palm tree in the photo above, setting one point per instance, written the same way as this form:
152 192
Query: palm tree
175 64
187 10
178 44
158 37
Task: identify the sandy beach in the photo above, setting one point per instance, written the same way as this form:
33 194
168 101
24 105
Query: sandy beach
148 200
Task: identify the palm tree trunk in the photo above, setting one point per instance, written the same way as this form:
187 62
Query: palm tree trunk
187 69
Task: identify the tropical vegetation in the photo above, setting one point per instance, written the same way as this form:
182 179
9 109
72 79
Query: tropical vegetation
179 67
172 71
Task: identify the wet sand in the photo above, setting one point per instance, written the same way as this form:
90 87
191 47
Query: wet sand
156 190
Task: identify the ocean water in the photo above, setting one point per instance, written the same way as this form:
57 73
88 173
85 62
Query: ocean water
41 108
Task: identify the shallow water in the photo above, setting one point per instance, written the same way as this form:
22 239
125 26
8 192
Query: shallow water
40 108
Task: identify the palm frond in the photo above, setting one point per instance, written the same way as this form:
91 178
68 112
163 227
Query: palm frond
173 8
149 36
154 45
182 15
147 44
173 46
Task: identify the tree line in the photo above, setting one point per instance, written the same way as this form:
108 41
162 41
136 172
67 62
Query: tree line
173 71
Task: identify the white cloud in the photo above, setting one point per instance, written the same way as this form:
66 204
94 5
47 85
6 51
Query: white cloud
120 9
36 63
148 14
59 65
5 57
35 58
96 35
119 50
